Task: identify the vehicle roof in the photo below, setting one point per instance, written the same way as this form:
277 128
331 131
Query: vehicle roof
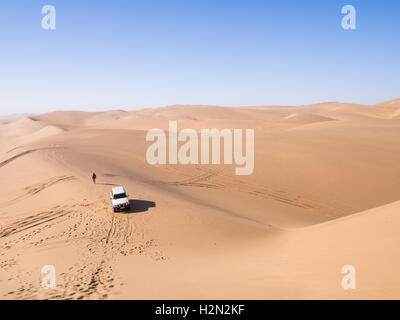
118 190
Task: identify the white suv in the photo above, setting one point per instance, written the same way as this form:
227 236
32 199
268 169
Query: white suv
119 199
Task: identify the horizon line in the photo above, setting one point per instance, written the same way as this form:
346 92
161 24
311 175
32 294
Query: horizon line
197 105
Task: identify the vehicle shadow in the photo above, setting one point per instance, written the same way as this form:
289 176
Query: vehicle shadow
140 206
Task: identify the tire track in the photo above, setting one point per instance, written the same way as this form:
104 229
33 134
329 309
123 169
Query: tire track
111 230
19 155
32 222
39 187
24 153
100 241
212 179
36 188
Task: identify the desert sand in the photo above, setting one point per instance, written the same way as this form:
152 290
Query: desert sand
325 193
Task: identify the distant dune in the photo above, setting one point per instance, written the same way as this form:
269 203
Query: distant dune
325 193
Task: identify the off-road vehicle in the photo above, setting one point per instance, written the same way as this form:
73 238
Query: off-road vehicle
119 199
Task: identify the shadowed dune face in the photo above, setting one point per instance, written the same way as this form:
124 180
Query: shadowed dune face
200 231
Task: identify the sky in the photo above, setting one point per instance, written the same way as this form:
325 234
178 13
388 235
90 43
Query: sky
147 53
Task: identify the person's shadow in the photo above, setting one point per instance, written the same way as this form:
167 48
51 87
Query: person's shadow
107 184
140 206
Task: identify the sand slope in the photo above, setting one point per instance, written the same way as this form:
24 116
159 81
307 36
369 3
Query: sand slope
324 193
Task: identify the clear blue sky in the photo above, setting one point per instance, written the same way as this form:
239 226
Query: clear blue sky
143 53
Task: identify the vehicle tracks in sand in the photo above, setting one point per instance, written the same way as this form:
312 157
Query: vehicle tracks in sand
33 221
214 179
111 231
34 189
90 276
121 233
9 160
21 154
98 238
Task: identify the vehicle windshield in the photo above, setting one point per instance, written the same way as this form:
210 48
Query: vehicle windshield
119 195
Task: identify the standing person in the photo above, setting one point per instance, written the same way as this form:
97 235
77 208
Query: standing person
94 177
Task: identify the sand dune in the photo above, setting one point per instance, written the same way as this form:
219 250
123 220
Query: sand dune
324 193
21 127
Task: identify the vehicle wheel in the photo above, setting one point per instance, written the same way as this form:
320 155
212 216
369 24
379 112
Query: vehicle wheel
115 210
